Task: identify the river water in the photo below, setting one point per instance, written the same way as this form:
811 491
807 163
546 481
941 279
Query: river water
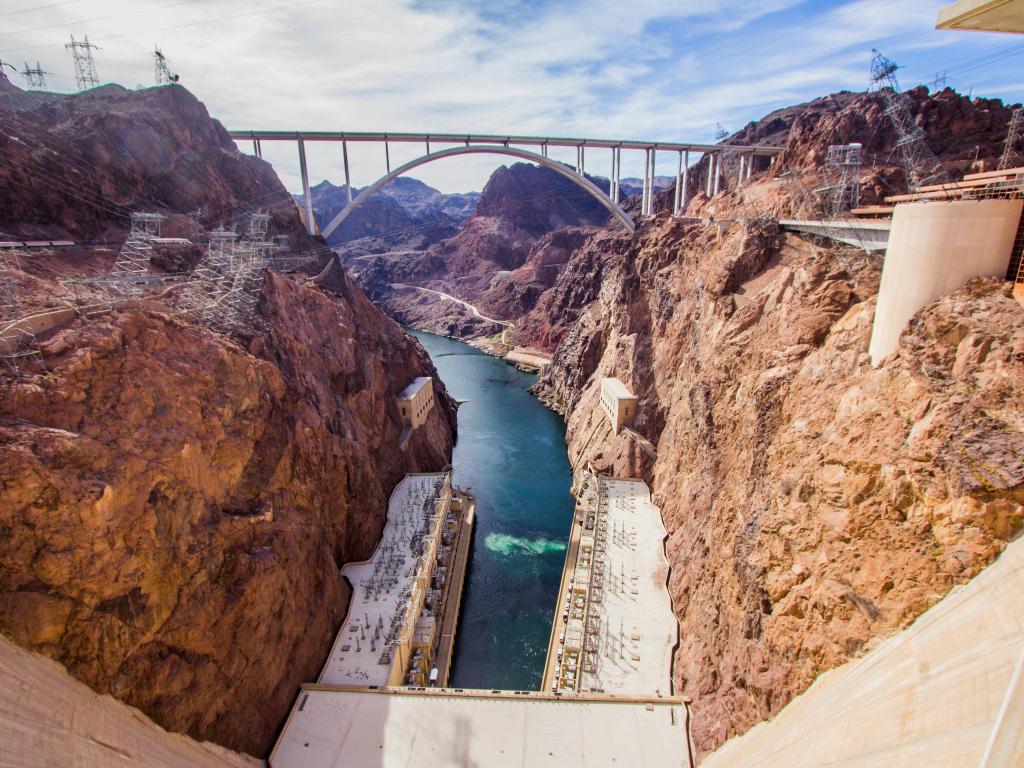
511 452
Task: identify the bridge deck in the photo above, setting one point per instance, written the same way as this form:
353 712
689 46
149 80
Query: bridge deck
483 138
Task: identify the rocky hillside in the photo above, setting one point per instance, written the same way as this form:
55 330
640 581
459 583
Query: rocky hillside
404 214
176 504
76 165
502 258
814 503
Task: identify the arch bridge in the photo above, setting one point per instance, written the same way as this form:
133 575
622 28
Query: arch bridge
515 146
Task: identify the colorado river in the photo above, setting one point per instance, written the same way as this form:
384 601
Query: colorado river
511 452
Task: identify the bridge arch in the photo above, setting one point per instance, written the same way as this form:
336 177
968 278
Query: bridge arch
490 149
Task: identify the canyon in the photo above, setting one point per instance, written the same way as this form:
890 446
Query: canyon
177 503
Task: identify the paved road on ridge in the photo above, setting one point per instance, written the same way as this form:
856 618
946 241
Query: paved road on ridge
448 296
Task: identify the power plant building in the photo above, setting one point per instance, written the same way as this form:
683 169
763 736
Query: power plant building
415 401
618 403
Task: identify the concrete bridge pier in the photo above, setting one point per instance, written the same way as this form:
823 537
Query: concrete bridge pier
643 190
682 177
718 174
348 177
306 196
257 149
711 173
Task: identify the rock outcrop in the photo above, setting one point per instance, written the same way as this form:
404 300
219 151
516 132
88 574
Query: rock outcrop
405 214
813 502
175 506
502 258
77 165
176 509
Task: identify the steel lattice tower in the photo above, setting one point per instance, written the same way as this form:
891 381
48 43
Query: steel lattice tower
920 164
35 76
1013 136
843 167
85 67
161 71
134 259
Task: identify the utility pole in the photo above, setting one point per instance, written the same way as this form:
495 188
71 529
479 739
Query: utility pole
920 164
162 72
35 76
85 67
1013 136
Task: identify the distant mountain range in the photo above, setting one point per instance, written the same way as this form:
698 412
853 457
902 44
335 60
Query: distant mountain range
406 212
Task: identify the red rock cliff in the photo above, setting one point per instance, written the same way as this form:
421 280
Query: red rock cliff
813 502
176 509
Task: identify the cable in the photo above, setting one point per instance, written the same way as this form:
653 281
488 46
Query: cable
39 8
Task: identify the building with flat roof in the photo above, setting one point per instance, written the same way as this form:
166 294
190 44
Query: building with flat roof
618 403
416 400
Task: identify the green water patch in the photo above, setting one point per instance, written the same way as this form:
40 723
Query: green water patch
506 544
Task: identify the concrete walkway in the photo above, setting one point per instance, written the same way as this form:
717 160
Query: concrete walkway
466 304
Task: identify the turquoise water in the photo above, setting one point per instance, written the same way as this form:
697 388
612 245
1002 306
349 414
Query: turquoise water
511 452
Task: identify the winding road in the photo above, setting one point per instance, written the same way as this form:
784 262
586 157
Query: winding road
466 304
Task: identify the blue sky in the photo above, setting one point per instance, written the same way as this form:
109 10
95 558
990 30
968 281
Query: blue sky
654 69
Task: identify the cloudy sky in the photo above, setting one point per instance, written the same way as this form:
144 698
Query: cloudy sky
643 69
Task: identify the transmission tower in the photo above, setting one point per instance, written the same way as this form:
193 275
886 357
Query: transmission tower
162 72
920 164
1013 136
134 259
226 283
35 76
85 67
843 169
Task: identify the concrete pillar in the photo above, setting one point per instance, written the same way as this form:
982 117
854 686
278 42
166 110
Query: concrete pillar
611 180
711 173
583 161
387 154
718 174
650 184
743 171
934 248
679 185
256 148
643 192
686 179
750 165
619 173
306 196
348 178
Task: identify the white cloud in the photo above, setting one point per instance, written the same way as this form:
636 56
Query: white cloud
665 69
